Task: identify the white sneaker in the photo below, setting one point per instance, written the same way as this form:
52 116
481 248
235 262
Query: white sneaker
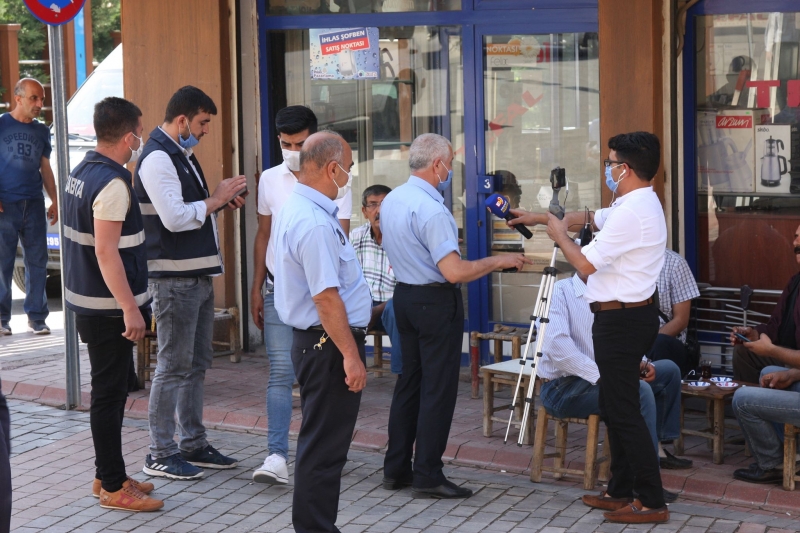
273 471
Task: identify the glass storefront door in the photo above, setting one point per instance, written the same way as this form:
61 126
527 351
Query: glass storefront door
541 110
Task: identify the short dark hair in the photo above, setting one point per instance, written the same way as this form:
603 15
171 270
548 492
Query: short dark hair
114 118
374 190
294 119
641 150
189 101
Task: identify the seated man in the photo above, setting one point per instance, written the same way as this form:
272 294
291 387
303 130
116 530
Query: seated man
367 241
774 343
676 290
761 413
572 390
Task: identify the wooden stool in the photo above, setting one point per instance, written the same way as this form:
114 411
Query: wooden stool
501 334
230 315
790 433
589 472
379 364
506 373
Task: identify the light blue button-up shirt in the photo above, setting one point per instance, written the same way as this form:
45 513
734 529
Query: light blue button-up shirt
418 232
312 254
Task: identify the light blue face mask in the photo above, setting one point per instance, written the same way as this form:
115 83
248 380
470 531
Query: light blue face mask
190 142
444 185
610 183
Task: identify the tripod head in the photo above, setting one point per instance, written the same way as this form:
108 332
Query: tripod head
558 180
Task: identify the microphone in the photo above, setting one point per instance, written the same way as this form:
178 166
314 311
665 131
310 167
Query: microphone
499 207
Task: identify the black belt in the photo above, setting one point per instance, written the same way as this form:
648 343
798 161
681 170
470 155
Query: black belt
354 331
445 285
270 276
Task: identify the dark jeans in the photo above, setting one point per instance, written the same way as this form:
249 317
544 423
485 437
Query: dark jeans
431 323
329 412
5 465
620 337
109 356
670 348
747 366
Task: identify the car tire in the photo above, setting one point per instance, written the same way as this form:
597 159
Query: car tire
19 277
53 286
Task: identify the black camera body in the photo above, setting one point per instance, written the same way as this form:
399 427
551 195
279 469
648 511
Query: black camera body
558 178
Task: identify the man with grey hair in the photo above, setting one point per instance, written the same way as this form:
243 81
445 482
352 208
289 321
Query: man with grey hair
321 292
24 169
421 240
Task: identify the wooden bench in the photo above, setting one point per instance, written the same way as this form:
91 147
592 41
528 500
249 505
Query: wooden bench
790 433
506 373
499 335
590 471
379 364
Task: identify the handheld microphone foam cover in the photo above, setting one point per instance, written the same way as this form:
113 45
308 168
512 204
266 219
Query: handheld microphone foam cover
500 208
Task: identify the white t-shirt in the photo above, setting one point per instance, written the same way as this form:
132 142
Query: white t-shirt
113 202
628 251
274 188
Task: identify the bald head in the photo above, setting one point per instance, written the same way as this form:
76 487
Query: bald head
29 99
325 160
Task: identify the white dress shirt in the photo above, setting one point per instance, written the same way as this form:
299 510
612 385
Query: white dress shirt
160 180
567 349
628 251
274 188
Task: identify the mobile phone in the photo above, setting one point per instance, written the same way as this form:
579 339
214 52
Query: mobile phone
241 192
742 337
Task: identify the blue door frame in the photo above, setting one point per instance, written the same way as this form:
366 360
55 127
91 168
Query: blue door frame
706 7
476 19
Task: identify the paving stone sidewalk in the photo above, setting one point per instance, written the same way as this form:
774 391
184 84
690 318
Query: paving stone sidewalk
53 467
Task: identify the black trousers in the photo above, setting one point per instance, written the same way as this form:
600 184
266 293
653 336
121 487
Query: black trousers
329 418
110 356
747 366
5 465
431 323
621 337
668 347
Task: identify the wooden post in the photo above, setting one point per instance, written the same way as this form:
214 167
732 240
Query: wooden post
116 37
474 362
9 62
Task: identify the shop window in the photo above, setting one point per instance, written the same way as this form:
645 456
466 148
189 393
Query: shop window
541 110
747 148
318 7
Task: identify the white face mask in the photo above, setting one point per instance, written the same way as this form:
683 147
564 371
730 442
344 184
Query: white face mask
136 153
292 159
341 191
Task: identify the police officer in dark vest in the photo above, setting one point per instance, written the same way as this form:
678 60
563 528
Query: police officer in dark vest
105 283
182 257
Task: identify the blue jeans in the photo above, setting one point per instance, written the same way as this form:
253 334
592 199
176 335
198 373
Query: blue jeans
659 401
184 311
278 341
388 324
759 410
24 221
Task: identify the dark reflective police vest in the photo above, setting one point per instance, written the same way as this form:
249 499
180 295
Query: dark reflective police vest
84 289
177 254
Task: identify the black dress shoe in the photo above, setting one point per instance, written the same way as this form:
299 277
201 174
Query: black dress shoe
670 462
670 497
754 474
396 484
446 490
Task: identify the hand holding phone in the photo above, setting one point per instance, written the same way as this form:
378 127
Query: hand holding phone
742 337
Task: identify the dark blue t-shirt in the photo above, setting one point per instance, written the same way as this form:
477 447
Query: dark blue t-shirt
22 147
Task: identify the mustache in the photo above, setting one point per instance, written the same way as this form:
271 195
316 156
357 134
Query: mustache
797 249
378 217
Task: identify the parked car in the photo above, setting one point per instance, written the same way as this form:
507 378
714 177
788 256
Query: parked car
106 80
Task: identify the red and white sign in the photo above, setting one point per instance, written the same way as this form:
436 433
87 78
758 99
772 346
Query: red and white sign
735 121
54 12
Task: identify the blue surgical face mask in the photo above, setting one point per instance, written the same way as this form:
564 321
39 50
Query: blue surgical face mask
189 142
444 185
610 183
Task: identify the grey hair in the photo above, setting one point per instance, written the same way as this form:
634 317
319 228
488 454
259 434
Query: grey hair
19 88
426 148
323 151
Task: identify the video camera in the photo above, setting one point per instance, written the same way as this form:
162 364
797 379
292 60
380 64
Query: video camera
558 180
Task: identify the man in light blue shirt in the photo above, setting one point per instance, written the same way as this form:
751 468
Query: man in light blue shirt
421 240
320 291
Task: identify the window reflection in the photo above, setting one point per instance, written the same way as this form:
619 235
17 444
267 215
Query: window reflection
320 7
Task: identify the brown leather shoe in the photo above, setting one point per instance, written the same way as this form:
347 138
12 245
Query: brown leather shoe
633 514
603 501
129 498
143 486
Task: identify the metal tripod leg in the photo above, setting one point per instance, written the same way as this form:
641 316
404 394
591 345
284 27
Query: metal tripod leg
541 312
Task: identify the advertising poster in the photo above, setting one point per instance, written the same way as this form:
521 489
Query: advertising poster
344 54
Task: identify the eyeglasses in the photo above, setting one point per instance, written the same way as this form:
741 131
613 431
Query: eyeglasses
609 162
372 205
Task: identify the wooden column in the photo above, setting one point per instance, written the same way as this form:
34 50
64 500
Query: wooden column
9 62
630 74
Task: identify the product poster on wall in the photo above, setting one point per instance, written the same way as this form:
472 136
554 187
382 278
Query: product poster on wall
344 54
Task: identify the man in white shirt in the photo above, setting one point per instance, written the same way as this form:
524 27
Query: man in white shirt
294 125
183 256
622 265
